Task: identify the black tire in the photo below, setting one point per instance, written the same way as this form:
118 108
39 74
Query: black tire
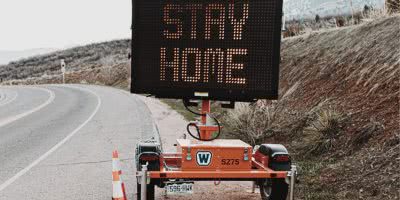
150 191
274 189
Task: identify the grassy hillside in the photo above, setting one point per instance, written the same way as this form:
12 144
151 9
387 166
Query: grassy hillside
349 77
338 110
97 63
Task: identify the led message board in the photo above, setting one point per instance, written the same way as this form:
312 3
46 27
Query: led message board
216 49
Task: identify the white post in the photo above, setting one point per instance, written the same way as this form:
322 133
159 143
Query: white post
63 65
352 11
334 19
143 189
384 7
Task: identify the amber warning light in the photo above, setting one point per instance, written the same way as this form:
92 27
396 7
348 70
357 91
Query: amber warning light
227 49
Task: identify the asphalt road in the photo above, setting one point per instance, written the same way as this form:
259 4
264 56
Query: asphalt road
56 141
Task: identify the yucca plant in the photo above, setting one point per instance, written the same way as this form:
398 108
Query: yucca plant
253 123
323 131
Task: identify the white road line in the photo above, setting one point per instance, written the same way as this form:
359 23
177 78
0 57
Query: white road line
5 102
2 97
8 120
54 148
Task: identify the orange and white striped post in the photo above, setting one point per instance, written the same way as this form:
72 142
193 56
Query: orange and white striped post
118 185
118 194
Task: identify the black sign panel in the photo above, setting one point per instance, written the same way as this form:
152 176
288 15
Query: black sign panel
214 49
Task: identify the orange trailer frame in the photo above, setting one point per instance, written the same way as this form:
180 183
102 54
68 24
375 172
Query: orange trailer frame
259 171
170 164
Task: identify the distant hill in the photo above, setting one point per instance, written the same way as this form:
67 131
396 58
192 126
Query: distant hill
93 56
8 56
295 9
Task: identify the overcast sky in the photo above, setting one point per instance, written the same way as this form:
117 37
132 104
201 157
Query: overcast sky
27 24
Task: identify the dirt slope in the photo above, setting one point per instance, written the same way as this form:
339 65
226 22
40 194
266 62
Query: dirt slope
358 67
353 71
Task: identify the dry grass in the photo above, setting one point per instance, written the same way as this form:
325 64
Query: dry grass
365 133
253 123
393 6
117 75
90 57
358 69
307 26
323 131
338 111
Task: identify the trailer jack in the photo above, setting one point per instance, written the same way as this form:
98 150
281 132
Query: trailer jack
293 176
142 177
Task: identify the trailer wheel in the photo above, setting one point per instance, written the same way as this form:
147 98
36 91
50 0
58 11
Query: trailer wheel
150 191
274 189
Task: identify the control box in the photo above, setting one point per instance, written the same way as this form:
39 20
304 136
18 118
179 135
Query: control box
214 155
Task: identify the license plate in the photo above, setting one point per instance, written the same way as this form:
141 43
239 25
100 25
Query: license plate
179 188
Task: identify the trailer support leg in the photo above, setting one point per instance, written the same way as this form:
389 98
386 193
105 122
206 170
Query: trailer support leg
253 187
143 180
293 174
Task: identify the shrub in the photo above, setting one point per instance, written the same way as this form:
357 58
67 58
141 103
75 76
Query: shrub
323 131
393 6
365 133
254 123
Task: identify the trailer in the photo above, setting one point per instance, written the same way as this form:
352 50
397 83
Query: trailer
268 166
208 50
